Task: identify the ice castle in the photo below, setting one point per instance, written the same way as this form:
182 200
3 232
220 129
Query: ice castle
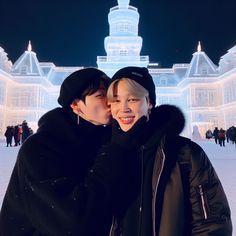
204 91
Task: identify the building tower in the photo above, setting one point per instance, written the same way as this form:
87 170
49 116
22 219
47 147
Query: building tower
123 45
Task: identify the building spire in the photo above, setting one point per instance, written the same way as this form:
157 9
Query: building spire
29 46
199 47
123 3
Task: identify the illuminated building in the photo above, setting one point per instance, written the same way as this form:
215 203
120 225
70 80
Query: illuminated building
205 92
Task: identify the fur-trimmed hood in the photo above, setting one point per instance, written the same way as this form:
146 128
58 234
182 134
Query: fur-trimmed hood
171 117
165 121
59 123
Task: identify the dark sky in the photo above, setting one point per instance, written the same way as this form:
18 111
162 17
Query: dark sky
72 32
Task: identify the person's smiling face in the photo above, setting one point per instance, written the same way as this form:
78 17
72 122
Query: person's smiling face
126 108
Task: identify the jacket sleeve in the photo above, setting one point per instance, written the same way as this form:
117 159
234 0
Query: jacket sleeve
210 208
42 197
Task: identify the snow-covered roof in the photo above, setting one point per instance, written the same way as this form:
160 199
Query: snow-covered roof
201 65
5 63
228 61
27 64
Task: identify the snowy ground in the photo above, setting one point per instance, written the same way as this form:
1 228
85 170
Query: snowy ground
222 158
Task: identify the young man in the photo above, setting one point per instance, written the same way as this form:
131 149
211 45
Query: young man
50 192
172 188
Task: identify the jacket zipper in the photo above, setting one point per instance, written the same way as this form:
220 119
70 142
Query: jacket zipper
155 193
203 201
112 225
141 194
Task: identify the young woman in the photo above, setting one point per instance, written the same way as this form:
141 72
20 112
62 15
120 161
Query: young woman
175 189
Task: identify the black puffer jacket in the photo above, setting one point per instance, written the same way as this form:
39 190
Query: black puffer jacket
179 192
50 192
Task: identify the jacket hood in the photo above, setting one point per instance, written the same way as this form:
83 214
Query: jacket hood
170 119
165 121
51 119
57 122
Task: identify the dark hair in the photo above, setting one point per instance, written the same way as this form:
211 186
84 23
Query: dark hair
94 87
77 82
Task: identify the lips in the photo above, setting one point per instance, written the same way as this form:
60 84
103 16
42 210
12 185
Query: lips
127 120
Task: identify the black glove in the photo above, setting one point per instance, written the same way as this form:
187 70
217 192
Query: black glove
132 138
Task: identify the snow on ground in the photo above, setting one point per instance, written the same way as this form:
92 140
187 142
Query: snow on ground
222 158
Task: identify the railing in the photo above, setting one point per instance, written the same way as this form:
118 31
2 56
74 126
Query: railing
183 65
129 7
120 58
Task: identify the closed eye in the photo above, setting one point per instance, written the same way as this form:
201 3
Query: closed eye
101 95
116 100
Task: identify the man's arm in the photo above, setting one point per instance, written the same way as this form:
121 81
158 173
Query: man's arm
210 208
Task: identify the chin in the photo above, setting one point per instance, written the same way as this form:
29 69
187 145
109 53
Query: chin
125 128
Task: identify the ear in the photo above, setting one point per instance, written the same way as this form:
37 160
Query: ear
75 106
150 106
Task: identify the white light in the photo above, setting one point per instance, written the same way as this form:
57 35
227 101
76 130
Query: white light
29 46
199 47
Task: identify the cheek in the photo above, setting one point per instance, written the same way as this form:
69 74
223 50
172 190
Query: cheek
99 108
113 109
94 106
143 109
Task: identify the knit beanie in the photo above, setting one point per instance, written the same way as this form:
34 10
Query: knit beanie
139 75
76 83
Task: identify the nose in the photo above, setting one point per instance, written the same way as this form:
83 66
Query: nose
125 106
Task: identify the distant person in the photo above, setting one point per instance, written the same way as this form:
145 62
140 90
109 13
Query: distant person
209 134
9 135
25 131
20 133
216 135
52 190
227 135
172 188
221 135
231 134
196 134
16 135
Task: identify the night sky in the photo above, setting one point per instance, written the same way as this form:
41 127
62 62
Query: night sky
72 32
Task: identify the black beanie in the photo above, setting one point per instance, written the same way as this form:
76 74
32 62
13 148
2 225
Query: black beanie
76 83
139 75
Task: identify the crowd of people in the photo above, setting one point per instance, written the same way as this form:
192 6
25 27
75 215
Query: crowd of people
220 135
19 133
